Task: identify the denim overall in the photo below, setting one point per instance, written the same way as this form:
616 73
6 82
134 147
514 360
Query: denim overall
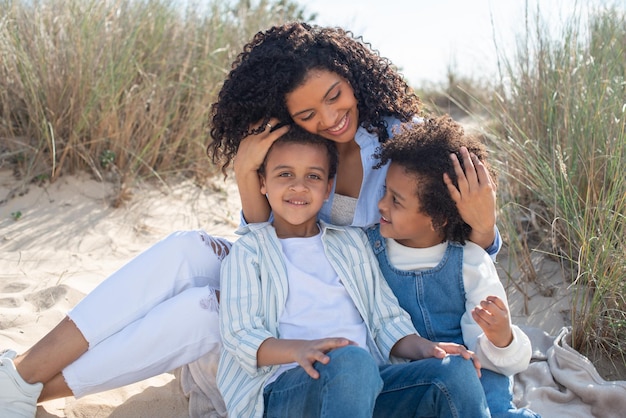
435 300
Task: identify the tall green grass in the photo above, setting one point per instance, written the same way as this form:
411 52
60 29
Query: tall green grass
118 87
560 111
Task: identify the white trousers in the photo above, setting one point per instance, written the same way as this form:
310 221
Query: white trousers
156 313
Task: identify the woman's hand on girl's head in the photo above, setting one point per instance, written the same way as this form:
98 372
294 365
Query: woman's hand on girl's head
475 197
250 155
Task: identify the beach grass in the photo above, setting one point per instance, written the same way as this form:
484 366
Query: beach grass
120 88
559 136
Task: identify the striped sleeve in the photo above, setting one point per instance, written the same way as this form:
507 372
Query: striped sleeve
242 319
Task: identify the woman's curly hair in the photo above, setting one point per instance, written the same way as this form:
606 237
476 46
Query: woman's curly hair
276 62
423 150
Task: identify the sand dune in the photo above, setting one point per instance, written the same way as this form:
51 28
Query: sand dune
67 238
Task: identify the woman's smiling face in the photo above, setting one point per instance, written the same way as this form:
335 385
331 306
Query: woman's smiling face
324 104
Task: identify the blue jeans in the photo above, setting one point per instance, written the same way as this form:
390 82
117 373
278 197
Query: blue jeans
499 392
352 385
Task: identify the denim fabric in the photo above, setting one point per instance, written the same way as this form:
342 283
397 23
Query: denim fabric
435 299
499 392
351 384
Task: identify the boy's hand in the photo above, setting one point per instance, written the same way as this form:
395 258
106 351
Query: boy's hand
492 316
307 353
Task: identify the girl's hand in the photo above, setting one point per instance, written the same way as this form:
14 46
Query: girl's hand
457 349
414 347
250 156
492 316
475 197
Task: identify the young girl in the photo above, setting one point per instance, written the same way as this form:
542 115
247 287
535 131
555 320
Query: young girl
321 79
449 286
308 322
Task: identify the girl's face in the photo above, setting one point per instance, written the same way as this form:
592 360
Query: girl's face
296 183
324 104
401 215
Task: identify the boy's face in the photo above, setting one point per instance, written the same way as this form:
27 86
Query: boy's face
296 184
400 209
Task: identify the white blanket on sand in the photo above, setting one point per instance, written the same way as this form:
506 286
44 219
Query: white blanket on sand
559 382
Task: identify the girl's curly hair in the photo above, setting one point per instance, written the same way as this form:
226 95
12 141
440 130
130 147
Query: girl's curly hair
276 62
423 150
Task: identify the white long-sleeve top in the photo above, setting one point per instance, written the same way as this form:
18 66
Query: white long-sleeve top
480 280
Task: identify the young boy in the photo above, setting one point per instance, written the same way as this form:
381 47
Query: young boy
447 284
309 325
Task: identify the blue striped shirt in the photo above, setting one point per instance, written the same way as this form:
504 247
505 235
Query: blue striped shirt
254 290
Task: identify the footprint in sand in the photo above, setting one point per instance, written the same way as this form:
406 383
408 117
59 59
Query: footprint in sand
11 302
15 287
47 298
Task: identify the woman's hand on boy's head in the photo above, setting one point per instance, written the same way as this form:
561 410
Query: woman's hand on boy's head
250 155
253 148
492 315
475 197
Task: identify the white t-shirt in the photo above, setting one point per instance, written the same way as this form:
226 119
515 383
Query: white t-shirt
318 305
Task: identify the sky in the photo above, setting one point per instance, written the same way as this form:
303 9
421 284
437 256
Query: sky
425 38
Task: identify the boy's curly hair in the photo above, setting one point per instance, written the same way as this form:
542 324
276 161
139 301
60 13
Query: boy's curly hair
423 150
276 62
300 136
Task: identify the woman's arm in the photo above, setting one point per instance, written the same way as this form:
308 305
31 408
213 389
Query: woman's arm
250 156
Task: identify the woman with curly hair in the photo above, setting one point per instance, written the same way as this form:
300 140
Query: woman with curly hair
159 311
333 85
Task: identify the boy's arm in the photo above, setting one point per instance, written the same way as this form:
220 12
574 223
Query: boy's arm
243 322
389 323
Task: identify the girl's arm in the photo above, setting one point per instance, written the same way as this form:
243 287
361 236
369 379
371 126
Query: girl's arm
250 156
304 352
500 345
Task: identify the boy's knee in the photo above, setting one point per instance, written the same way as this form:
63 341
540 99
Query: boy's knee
353 363
455 370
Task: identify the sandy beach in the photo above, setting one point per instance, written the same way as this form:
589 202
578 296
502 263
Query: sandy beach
67 239
58 241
